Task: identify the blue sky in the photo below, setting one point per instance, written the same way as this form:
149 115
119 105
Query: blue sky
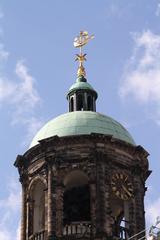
37 68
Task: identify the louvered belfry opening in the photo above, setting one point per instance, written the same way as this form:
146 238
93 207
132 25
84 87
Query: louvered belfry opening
76 204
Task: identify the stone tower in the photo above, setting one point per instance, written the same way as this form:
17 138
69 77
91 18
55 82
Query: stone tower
83 175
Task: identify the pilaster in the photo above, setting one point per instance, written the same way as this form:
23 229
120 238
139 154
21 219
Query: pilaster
50 205
59 210
23 213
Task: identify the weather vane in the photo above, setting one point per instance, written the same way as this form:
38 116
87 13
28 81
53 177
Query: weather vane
79 42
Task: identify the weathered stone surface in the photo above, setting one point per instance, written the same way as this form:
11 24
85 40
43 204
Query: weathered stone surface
98 157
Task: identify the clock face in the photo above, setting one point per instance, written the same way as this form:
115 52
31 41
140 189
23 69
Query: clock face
121 186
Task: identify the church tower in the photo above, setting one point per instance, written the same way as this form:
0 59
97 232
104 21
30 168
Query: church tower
83 176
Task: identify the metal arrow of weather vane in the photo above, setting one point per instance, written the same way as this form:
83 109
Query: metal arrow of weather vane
79 42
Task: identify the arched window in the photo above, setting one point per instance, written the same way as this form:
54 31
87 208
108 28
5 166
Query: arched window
38 206
80 106
89 103
120 211
71 104
76 199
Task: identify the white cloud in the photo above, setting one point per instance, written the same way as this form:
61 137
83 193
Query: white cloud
9 207
12 201
33 124
141 78
152 211
19 93
22 93
23 98
26 91
5 235
7 89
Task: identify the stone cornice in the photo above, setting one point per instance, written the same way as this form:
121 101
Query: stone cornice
55 146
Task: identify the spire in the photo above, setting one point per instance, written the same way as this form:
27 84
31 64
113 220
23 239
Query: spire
79 42
81 95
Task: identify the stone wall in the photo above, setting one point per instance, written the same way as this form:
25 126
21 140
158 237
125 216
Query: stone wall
98 157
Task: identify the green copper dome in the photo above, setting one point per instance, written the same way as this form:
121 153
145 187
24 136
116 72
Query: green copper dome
82 122
81 84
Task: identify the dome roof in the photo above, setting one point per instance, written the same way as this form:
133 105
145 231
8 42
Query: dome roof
81 83
82 122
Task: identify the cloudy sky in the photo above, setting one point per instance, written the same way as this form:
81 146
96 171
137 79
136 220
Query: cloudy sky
37 68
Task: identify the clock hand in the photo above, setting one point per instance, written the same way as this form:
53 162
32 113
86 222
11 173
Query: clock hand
125 189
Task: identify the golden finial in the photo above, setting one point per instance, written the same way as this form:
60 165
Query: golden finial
79 42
